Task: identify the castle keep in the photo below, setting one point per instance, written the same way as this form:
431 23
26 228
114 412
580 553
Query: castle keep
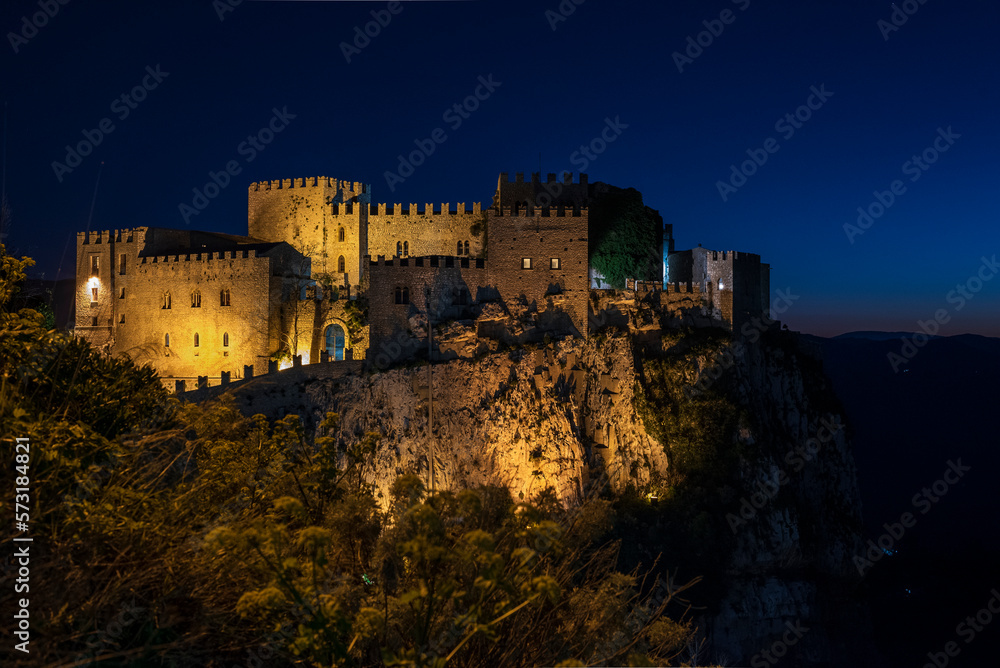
327 275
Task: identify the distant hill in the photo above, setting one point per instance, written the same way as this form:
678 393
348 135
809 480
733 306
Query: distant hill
876 336
941 405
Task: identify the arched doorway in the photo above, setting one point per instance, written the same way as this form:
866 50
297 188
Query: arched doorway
335 342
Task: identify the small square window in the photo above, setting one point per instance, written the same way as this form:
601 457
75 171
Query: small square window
526 263
554 263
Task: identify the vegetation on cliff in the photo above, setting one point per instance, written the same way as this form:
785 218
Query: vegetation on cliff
179 534
624 237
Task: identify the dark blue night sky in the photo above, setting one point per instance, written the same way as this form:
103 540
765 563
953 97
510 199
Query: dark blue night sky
678 133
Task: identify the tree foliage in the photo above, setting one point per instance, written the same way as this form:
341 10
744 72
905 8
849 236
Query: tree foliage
228 539
625 238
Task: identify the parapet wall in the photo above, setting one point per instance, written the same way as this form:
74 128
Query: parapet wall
537 192
423 231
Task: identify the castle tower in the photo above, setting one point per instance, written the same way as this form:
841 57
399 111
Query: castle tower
323 218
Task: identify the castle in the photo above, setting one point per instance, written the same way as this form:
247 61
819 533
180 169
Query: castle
326 275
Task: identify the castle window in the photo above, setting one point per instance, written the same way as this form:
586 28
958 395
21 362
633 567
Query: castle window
466 248
459 248
399 249
121 264
93 321
196 299
197 340
462 299
526 263
341 264
166 300
554 263
224 297
341 234
166 340
93 294
95 265
121 294
406 248
402 295
121 319
225 339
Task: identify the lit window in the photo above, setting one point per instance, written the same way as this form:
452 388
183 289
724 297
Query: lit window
554 263
526 263
93 294
224 297
196 299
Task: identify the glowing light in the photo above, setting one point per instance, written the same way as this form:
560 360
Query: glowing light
94 282
285 364
305 357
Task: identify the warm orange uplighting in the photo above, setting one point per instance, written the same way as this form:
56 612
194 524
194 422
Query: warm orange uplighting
94 282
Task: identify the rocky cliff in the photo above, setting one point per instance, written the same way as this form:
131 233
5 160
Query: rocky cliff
743 441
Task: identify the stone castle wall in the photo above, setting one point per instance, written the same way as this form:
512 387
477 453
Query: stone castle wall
437 281
316 310
542 235
426 231
535 193
247 319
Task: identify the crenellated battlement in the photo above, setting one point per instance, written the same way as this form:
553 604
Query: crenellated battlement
726 256
676 287
433 261
105 236
311 182
446 209
247 254
536 177
541 212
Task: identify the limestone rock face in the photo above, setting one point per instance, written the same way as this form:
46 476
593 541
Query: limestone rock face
561 415
529 418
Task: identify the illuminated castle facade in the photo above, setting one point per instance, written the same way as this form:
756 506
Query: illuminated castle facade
325 274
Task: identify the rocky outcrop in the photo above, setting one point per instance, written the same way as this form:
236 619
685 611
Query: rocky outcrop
563 414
